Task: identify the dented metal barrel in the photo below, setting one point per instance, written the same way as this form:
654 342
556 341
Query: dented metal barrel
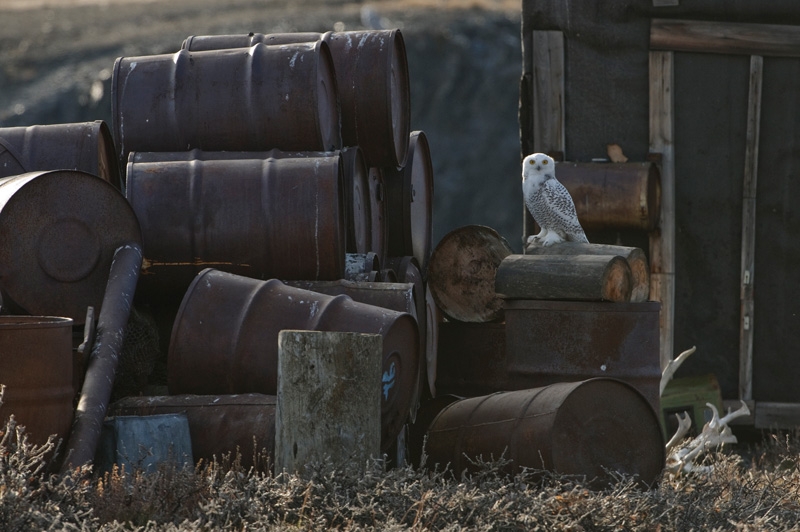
249 99
225 339
354 178
58 234
260 218
378 215
85 146
409 203
219 425
36 369
592 429
373 81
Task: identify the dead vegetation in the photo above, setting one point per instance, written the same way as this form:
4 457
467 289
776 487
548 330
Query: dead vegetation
758 493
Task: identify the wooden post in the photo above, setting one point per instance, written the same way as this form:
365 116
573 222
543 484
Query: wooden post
329 402
749 229
547 102
662 241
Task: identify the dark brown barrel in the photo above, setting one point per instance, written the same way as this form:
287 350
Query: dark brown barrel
354 176
58 234
591 428
377 210
614 195
372 75
85 146
394 296
462 271
219 425
246 99
36 368
409 203
225 339
261 218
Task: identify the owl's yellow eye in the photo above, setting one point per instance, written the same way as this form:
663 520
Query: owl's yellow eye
544 162
531 162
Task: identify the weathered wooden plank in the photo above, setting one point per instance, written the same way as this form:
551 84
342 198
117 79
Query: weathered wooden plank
662 241
547 104
746 325
329 402
725 37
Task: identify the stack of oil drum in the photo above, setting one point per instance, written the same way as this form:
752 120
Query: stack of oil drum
278 185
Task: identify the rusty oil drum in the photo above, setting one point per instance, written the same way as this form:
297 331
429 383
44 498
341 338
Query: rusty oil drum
354 177
260 218
372 74
58 234
581 428
225 339
219 425
85 146
36 368
409 203
246 99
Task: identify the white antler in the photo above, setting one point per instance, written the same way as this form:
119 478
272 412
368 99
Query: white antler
672 367
715 433
684 424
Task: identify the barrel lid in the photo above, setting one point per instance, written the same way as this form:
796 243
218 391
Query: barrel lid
58 234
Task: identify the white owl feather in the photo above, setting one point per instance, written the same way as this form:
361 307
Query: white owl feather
549 203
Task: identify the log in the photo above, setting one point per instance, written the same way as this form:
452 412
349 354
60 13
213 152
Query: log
565 277
461 273
637 260
613 195
329 399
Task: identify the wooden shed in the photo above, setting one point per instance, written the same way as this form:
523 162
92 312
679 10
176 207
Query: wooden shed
710 92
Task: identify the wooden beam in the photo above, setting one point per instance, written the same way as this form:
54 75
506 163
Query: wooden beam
725 37
749 228
776 415
662 240
547 101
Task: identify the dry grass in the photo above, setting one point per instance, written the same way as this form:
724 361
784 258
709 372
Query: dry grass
758 494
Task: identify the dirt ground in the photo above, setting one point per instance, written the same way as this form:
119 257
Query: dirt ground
464 57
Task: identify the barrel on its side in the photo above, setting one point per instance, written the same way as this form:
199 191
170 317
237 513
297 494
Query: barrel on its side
84 146
409 203
592 429
248 99
225 339
219 425
261 218
58 234
36 368
372 75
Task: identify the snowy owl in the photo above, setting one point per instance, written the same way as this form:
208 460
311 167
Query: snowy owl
549 203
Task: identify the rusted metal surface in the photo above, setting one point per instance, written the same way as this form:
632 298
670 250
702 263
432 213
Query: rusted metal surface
377 210
249 99
372 74
143 443
219 425
357 265
593 428
261 218
409 203
393 296
58 234
36 369
85 146
354 178
433 317
552 341
418 430
225 339
462 270
613 195
101 371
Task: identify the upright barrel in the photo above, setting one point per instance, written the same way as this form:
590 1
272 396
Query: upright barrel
409 203
36 368
58 234
85 146
591 428
247 99
225 339
261 218
372 75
